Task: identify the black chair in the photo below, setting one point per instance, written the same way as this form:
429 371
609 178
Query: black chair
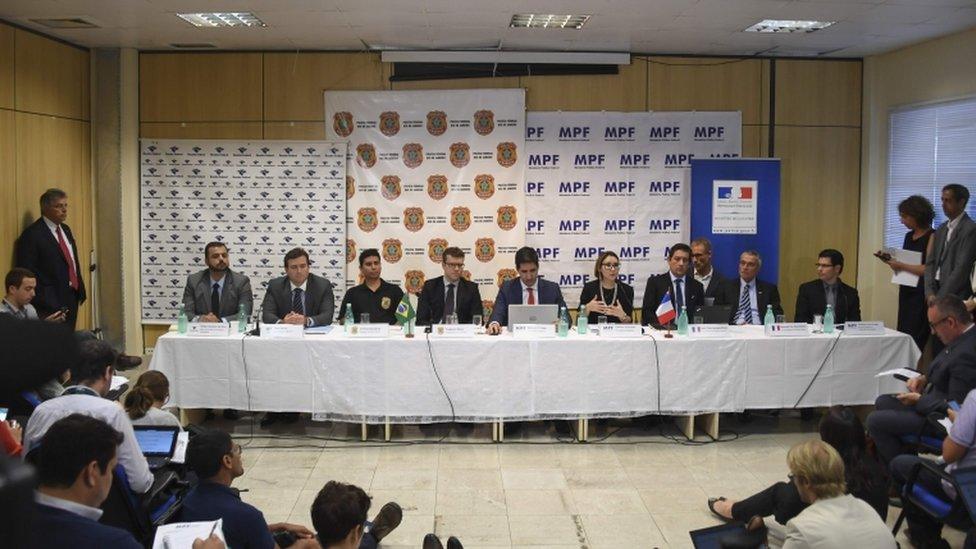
952 512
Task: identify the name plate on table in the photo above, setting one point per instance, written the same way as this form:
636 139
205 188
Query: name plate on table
369 330
283 331
208 329
709 330
620 330
788 329
531 331
453 330
873 327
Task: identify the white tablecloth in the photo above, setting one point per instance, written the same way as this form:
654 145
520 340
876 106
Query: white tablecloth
489 378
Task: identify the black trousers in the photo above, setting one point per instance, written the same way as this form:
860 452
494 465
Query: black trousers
890 421
781 500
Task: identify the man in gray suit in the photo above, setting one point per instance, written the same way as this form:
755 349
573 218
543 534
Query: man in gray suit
216 293
948 266
299 297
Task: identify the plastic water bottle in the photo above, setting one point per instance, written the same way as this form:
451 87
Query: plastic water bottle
683 321
182 321
563 325
828 321
350 318
582 322
241 319
770 318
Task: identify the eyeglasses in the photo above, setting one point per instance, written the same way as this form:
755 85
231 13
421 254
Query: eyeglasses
611 266
818 265
937 322
454 265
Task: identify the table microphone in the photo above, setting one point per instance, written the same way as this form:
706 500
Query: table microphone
257 324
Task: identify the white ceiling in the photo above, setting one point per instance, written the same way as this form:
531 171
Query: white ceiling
707 27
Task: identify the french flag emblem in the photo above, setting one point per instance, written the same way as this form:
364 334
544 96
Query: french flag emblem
665 311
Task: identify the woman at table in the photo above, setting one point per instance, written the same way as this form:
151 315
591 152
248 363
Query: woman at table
144 403
607 296
916 214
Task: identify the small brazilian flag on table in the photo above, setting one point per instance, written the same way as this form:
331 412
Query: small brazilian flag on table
404 311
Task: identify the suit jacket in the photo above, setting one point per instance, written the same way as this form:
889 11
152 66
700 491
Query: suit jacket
430 302
842 521
319 300
237 291
811 299
951 376
38 250
54 527
714 283
957 264
511 294
766 294
658 285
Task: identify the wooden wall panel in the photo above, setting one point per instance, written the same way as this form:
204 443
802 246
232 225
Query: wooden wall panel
311 131
820 202
51 77
204 87
752 146
693 84
457 84
9 227
626 91
294 82
818 93
152 332
7 57
201 130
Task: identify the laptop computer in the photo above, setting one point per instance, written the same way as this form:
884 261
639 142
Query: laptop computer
157 443
532 314
714 314
711 538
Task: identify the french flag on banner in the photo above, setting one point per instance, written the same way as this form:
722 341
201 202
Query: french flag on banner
665 311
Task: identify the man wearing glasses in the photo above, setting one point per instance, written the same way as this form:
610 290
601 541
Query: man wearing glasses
813 297
450 294
684 290
951 376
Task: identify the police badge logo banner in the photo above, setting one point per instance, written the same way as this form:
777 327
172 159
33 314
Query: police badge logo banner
261 198
433 169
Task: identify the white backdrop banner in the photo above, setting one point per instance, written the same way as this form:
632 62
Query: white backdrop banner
615 181
261 198
432 169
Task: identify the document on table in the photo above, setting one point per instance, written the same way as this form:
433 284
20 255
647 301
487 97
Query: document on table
946 422
322 330
182 534
911 257
905 372
118 381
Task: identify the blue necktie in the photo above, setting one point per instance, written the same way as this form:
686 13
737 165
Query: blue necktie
745 308
296 301
679 295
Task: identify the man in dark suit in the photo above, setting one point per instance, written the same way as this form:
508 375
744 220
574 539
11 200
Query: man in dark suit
705 272
299 297
685 291
527 289
951 376
948 266
216 293
449 294
748 296
813 297
47 248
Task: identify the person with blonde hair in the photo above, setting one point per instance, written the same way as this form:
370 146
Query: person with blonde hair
833 518
145 401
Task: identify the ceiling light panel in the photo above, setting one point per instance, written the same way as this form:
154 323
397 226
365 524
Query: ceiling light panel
788 26
548 21
222 19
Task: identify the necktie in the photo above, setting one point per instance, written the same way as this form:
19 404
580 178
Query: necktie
72 274
215 299
531 296
679 295
745 308
296 301
449 301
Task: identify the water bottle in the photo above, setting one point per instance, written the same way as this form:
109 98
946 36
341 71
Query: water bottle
828 321
350 318
683 321
181 321
770 318
241 319
582 322
563 325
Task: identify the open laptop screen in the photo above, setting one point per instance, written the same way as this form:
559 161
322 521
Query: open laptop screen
156 441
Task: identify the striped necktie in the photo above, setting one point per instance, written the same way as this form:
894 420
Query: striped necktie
745 308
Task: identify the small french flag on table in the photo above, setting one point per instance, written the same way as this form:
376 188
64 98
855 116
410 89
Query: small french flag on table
665 311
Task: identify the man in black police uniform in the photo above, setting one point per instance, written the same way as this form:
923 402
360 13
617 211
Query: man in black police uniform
449 294
813 297
375 296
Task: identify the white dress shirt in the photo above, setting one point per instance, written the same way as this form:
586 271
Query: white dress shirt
705 279
81 509
525 292
93 405
843 521
53 227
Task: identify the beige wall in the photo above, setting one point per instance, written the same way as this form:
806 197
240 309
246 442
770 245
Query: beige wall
44 138
254 95
936 70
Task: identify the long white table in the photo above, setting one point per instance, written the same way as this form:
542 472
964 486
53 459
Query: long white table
499 378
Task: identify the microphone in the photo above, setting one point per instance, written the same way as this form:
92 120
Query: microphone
257 324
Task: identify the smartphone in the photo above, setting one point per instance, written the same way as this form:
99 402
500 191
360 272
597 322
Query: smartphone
954 405
3 414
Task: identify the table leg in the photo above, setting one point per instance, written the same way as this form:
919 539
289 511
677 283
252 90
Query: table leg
687 426
386 430
709 424
494 431
363 426
501 430
581 429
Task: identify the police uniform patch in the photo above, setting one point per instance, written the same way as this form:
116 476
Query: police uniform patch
350 186
366 219
437 186
413 219
436 122
366 155
484 186
413 155
385 302
435 249
484 122
506 154
390 187
460 218
390 123
506 217
392 250
342 123
460 154
484 249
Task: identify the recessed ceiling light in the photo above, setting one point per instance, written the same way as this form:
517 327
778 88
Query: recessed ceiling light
777 25
548 21
222 19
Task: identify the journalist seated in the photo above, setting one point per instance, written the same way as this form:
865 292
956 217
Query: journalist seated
144 403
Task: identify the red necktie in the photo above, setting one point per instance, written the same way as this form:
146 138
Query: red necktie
72 274
531 296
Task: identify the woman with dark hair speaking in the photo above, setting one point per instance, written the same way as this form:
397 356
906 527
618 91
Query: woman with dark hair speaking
606 296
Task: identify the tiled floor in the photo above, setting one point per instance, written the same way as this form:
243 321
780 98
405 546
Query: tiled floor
635 489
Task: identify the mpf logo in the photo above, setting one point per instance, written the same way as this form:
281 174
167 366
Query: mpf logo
709 133
587 252
574 133
619 133
535 226
619 188
534 133
665 133
664 187
534 187
548 254
573 279
574 226
577 188
544 160
664 225
677 160
635 252
635 160
589 160
618 226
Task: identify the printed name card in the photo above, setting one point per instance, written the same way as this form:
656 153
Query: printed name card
709 330
788 329
873 327
208 329
369 330
283 331
620 330
453 330
532 331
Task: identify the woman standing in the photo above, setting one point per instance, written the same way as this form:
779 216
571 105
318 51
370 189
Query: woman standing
916 214
607 296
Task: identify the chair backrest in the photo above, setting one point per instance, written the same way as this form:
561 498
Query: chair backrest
122 508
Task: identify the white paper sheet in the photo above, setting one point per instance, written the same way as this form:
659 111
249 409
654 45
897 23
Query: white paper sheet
182 534
911 257
910 374
118 381
179 453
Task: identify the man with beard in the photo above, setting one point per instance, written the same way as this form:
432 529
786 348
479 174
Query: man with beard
216 293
